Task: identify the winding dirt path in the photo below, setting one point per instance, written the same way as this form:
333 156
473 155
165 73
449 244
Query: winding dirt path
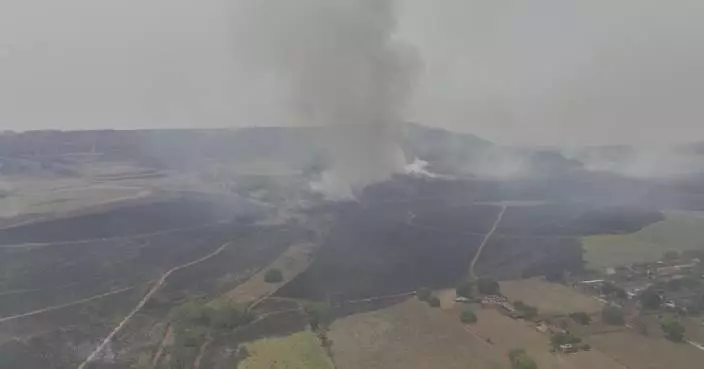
472 274
57 307
116 238
144 301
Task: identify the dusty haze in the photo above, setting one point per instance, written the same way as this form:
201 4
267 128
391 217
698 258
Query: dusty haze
535 73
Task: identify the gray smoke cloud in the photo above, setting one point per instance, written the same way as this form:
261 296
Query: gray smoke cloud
344 70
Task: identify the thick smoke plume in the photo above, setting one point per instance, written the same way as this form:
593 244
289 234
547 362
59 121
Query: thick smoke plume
344 70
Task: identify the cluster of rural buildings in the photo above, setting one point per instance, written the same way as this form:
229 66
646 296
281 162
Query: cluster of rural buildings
679 281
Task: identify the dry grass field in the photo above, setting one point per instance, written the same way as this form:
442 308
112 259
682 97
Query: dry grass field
506 334
549 298
647 352
410 335
298 351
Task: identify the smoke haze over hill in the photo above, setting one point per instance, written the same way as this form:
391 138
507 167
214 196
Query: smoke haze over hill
541 72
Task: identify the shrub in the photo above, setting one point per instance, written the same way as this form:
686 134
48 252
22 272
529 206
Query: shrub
613 315
528 311
520 360
674 330
468 317
559 339
465 289
424 294
273 275
581 317
650 299
434 301
319 314
488 286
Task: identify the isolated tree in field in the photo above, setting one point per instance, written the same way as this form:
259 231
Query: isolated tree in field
465 289
468 317
520 360
581 317
650 299
674 330
613 315
424 294
488 286
273 275
559 339
529 312
319 315
434 301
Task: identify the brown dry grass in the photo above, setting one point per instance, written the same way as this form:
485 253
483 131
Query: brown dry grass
695 328
506 334
549 298
409 335
292 262
647 352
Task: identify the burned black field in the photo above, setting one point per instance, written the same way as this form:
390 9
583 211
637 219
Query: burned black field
66 283
395 246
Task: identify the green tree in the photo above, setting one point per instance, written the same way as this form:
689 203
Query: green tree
273 275
520 360
581 317
650 299
319 314
674 330
529 312
613 315
465 289
561 338
424 294
488 286
468 317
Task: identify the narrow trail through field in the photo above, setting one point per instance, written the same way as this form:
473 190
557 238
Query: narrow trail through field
168 336
57 307
201 352
116 238
695 344
144 301
472 273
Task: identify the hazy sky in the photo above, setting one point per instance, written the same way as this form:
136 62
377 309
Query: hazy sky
514 71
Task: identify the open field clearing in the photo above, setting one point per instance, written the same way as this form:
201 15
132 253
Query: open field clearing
409 335
647 352
695 328
293 261
549 298
506 334
679 231
298 351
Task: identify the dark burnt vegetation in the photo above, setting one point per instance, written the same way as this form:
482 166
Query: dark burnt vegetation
176 212
410 232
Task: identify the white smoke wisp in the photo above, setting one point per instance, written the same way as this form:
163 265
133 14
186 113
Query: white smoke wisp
345 70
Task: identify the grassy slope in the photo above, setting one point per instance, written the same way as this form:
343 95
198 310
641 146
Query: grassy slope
298 351
679 231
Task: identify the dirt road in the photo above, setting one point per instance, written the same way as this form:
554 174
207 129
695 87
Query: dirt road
144 301
472 274
57 307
